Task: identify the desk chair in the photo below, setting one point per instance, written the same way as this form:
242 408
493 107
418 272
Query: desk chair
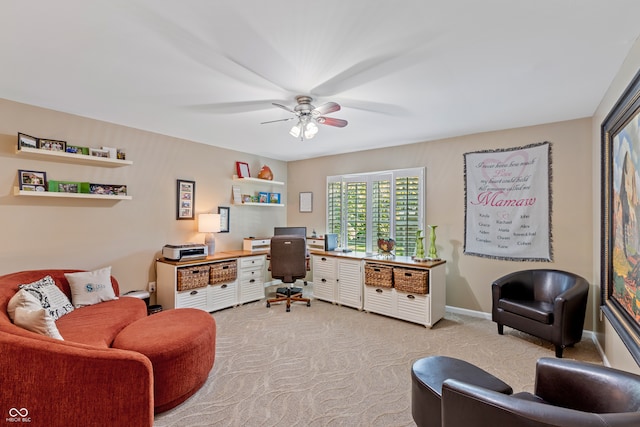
288 263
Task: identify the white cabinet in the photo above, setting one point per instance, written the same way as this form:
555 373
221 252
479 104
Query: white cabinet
252 244
425 309
252 271
324 278
247 286
337 280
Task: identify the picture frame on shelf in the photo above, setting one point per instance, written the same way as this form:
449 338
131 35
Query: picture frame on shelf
27 141
52 145
75 149
224 218
242 169
620 232
32 180
108 189
185 199
263 197
306 201
99 152
274 198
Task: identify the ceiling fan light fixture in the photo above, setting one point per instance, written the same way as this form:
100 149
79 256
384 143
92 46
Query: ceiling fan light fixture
310 130
295 130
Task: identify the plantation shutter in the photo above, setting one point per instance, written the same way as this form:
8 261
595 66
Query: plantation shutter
407 214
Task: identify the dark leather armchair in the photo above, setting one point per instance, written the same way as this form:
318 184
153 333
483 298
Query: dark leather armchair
567 393
549 304
288 262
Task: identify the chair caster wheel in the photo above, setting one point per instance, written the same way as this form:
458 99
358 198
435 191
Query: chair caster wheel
308 304
268 305
288 309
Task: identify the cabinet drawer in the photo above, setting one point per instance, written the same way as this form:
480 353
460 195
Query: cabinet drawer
194 298
252 262
246 275
325 266
221 296
413 307
379 300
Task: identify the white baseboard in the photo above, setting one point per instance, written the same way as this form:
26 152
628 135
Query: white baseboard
467 312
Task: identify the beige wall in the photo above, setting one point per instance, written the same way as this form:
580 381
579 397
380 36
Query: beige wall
469 277
128 235
615 351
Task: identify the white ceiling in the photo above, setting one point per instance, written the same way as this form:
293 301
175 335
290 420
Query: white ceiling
404 71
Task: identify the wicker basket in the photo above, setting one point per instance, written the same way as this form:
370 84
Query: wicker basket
411 281
378 275
193 277
223 272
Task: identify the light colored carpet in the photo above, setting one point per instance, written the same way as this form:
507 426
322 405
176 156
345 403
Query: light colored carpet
327 365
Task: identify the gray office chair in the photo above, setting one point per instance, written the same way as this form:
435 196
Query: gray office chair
288 263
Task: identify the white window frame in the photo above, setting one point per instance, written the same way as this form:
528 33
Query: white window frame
369 178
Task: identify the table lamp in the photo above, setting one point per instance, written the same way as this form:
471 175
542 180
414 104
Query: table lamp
209 223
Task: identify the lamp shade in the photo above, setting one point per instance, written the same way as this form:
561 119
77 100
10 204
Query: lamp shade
209 223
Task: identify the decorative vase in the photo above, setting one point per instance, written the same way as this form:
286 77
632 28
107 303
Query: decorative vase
433 251
419 245
265 173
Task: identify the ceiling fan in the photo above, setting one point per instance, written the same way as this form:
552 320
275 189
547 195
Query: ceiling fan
308 116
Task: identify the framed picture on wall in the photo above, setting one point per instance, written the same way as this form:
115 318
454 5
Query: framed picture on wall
186 199
224 219
620 280
306 201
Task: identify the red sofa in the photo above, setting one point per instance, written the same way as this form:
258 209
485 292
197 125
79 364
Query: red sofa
78 381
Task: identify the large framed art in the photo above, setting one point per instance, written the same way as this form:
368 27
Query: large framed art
620 264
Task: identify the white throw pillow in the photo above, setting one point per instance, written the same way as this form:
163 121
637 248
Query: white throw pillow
51 298
37 321
22 299
91 287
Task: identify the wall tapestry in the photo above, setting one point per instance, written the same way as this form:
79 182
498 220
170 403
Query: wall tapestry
508 203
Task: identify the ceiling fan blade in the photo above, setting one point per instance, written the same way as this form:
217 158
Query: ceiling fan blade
329 107
232 107
279 120
332 122
284 107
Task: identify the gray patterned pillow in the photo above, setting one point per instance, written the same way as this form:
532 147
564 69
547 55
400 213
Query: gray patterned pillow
52 299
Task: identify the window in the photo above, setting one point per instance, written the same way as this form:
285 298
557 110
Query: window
361 208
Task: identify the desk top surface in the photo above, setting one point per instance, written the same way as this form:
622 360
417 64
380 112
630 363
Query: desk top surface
395 260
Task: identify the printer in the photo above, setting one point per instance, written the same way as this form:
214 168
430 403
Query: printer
185 252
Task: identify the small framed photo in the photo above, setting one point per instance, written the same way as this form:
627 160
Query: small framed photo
52 145
98 152
108 189
263 197
224 218
274 197
185 199
112 152
246 198
27 141
242 169
32 180
74 149
306 201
